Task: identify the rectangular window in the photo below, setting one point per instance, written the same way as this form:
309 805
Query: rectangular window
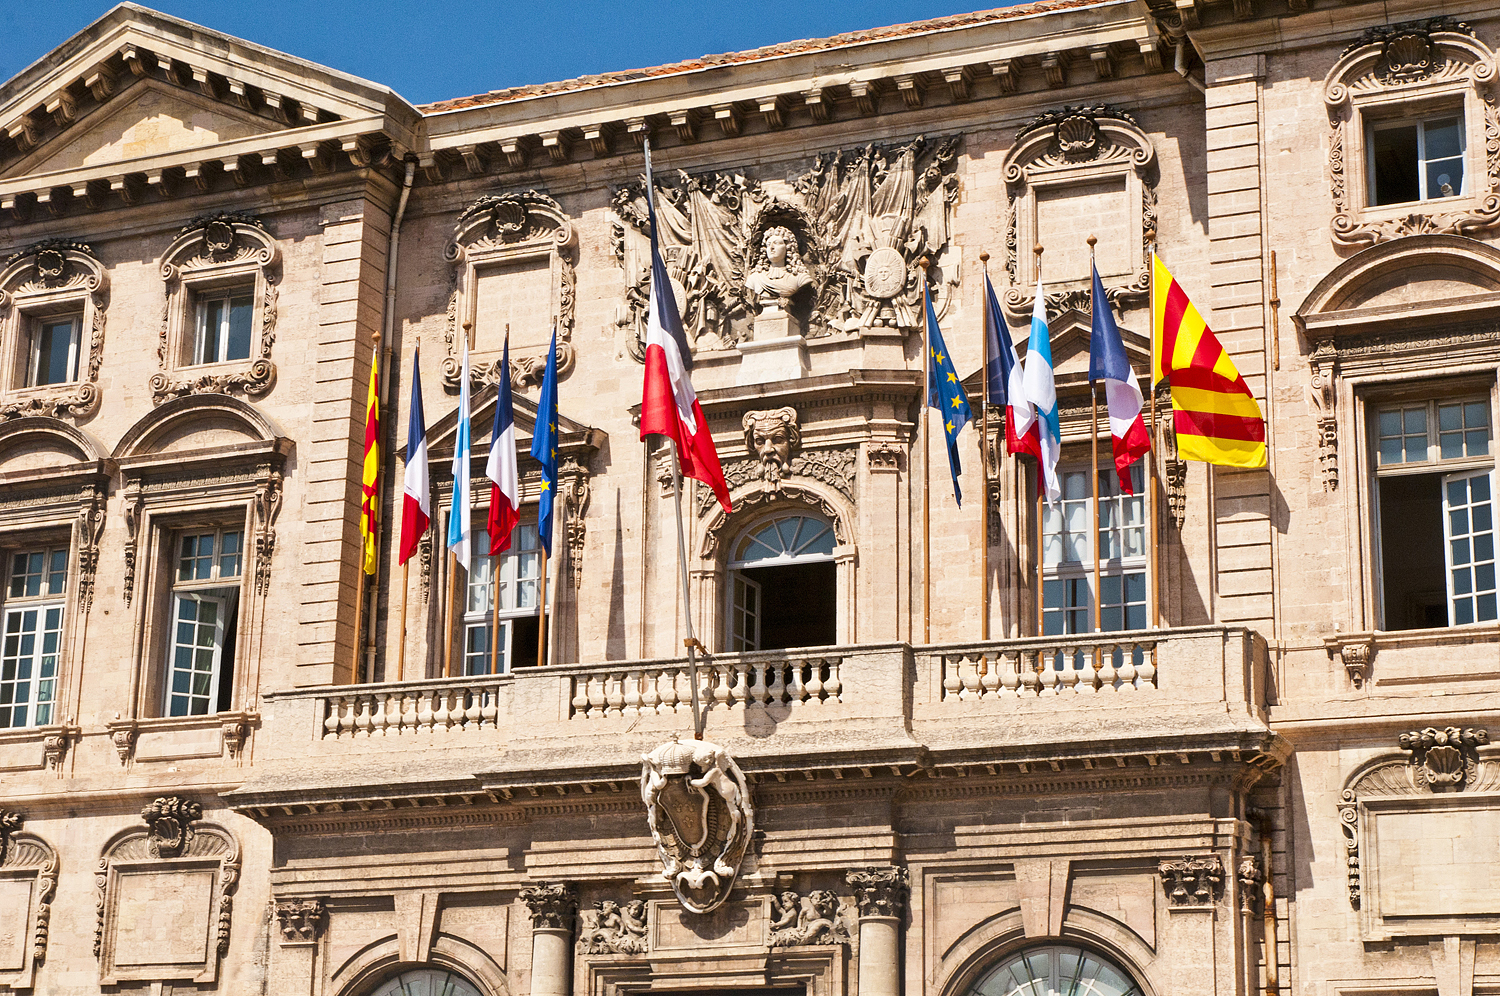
1069 530
32 637
1416 160
54 351
511 577
223 330
1434 483
205 614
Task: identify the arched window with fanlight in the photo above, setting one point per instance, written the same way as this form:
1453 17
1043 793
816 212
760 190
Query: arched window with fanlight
783 585
1054 970
427 982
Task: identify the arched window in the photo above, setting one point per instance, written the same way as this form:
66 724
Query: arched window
783 585
1055 970
427 982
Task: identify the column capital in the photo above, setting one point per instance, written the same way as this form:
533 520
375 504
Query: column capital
880 891
301 920
552 905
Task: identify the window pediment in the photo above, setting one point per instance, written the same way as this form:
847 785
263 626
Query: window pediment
47 281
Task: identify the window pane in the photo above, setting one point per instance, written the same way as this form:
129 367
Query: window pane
213 320
58 572
239 329
1444 140
55 353
1394 153
1471 549
229 554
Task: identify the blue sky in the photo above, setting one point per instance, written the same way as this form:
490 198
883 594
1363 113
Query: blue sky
430 51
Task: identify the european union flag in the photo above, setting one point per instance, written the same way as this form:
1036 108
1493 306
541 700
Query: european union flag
945 393
544 446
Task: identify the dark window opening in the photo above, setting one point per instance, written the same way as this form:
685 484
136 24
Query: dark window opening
1411 551
797 604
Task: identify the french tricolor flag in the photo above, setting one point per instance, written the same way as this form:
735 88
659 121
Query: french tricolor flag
1038 389
501 468
1108 363
669 406
416 495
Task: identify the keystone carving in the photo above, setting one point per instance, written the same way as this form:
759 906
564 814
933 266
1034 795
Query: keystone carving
1445 760
301 919
1192 881
551 904
809 919
774 437
169 822
880 891
610 928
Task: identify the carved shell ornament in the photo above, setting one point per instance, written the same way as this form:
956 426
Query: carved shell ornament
1077 137
699 812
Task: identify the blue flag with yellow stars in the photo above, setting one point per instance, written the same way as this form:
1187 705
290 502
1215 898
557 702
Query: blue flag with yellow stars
544 446
945 393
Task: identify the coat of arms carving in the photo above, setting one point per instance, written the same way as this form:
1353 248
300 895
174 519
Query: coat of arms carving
698 808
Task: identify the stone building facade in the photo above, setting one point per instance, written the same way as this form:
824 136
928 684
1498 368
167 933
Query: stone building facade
229 764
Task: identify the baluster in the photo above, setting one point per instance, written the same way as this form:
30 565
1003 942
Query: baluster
1031 677
721 687
471 714
633 693
1127 673
361 713
1088 671
596 696
1010 673
489 708
1147 668
614 695
815 680
971 678
777 692
440 714
424 712
758 690
1067 678
833 685
581 695
682 684
377 718
989 676
668 682
408 712
741 690
796 684
650 696
953 681
1107 673
331 706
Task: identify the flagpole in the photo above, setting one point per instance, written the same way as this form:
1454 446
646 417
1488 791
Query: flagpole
541 603
1040 484
1094 456
984 465
926 461
1151 499
448 613
401 651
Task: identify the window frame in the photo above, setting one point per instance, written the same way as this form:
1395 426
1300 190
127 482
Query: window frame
734 640
46 600
37 323
214 589
1375 123
1433 393
476 620
227 295
48 283
1081 572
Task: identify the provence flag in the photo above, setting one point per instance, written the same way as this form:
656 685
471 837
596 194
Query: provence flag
945 393
544 446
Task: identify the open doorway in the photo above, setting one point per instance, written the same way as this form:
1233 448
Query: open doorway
783 586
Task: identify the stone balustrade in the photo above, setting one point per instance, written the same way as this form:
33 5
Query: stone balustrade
413 707
745 681
1076 665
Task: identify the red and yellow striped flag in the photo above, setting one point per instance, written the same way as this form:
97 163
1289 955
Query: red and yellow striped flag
1216 417
369 502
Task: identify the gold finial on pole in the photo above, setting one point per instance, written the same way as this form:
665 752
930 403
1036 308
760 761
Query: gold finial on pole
1092 241
1038 250
984 258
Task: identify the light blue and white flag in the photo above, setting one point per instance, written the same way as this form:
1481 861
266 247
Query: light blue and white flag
458 512
1041 391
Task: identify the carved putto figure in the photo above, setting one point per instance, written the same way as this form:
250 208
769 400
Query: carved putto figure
774 437
698 810
778 273
610 928
809 919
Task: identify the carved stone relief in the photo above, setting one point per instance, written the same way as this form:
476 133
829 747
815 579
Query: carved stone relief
1174 468
1192 881
267 507
55 275
838 244
508 229
576 493
175 853
1322 396
835 468
699 812
810 919
1251 876
750 500
774 437
1440 761
91 504
613 928
1391 65
31 864
207 252
301 920
880 891
1059 149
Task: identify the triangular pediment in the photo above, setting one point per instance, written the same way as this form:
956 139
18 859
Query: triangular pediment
151 118
572 434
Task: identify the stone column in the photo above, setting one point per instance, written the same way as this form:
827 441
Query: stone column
294 967
881 893
552 905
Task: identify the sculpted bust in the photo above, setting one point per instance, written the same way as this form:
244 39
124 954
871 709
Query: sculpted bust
778 272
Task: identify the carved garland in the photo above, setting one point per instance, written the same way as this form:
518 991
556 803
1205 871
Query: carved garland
1442 760
38 280
1055 146
214 249
1397 63
501 228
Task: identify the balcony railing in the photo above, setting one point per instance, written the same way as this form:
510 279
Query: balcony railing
888 690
